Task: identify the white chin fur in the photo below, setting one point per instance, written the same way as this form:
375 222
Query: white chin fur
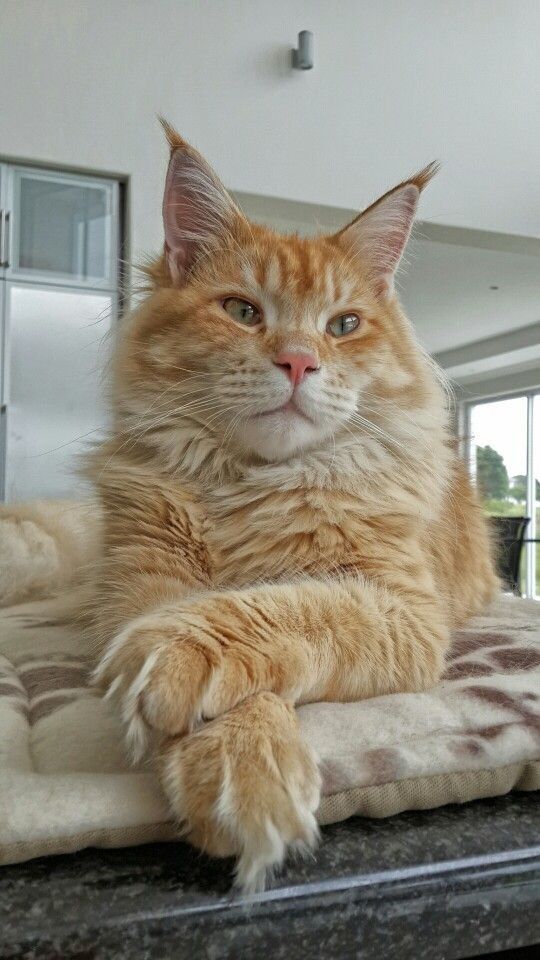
279 435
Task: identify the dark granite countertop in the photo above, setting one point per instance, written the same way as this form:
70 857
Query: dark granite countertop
441 884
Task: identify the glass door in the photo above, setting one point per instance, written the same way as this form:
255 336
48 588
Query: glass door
57 346
63 229
59 244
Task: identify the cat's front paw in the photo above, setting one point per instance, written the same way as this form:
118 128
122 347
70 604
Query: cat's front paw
245 785
170 670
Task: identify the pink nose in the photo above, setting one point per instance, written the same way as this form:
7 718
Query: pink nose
296 365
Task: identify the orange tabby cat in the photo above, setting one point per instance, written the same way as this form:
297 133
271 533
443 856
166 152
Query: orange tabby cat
285 517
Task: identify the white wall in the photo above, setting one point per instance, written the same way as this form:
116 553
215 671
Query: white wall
395 84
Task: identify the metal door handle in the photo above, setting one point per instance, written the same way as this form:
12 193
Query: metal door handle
2 243
6 238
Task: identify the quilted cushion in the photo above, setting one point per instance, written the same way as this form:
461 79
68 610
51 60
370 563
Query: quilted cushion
65 783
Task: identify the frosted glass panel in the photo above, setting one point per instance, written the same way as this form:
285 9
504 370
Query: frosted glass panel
64 228
58 350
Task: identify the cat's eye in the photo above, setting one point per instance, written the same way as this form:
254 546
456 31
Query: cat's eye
341 326
242 311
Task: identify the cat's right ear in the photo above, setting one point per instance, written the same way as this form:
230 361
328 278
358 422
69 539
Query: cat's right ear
197 210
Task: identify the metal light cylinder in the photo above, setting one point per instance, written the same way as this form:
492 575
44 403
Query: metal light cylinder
302 57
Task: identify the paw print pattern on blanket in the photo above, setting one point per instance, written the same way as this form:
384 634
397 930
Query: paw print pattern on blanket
39 686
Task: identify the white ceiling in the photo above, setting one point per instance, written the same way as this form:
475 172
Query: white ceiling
446 290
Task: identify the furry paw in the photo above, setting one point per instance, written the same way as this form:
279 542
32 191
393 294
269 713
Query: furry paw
247 785
170 672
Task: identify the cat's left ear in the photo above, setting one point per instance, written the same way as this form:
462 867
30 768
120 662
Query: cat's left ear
378 236
198 212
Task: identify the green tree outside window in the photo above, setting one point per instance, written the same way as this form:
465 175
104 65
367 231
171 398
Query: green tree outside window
491 474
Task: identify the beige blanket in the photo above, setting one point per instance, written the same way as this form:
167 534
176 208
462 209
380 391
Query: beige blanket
65 783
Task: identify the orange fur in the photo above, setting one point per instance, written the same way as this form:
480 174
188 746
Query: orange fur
254 560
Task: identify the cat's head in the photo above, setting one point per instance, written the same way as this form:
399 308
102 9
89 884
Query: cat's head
267 343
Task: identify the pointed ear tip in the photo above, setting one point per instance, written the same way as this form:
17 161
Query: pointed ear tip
175 141
423 177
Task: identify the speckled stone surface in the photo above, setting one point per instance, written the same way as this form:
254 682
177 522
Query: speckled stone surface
441 884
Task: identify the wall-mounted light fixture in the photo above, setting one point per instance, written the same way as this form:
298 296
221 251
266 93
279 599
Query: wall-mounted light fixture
302 57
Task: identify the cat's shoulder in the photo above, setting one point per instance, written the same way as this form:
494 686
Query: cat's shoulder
127 470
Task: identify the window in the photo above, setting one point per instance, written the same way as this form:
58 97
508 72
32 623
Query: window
505 462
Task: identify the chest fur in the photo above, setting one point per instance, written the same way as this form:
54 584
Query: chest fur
276 533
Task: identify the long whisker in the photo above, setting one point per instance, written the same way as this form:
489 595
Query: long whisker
207 428
176 413
379 434
133 438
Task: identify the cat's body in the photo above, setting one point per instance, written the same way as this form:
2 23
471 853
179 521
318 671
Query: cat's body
285 517
319 515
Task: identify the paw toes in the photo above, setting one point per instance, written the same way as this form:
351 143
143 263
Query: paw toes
246 789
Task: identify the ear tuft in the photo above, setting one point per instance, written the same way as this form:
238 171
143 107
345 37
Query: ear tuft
423 177
175 141
378 236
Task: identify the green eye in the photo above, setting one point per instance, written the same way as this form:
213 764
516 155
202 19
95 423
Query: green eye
242 311
341 326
